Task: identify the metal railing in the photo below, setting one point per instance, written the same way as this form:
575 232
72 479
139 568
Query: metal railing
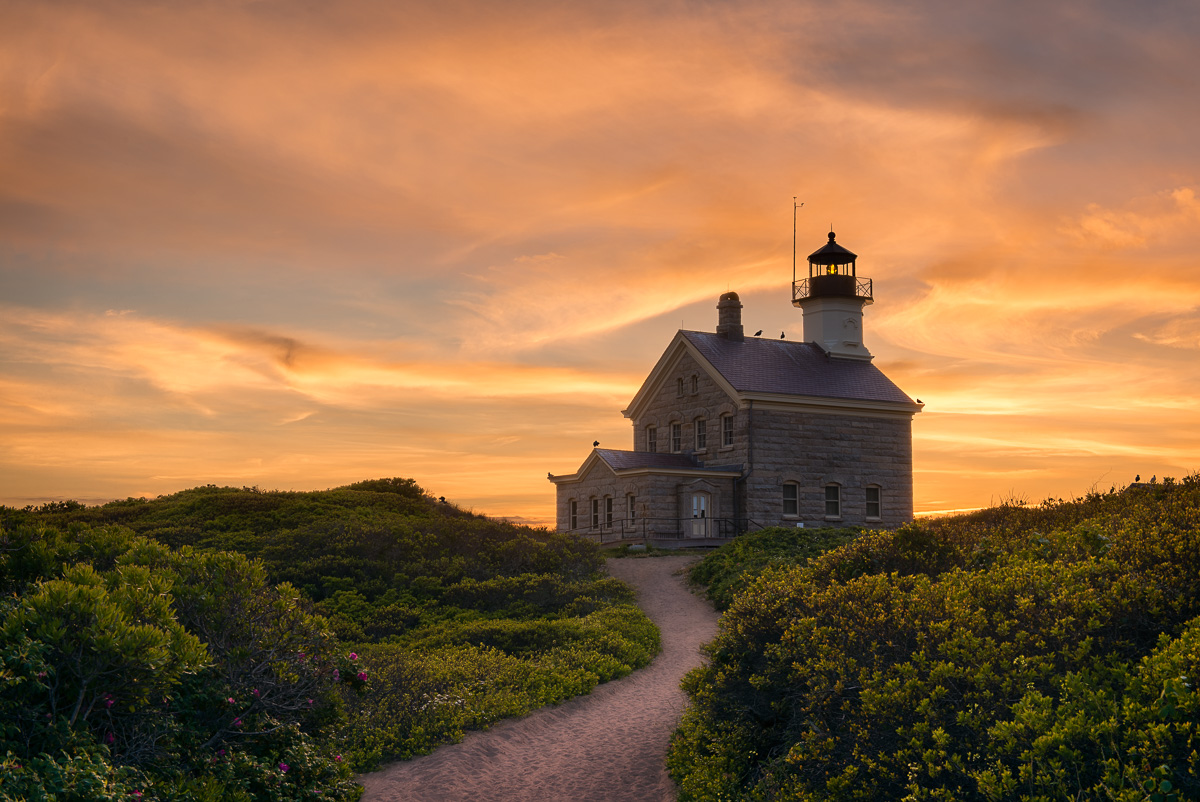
658 528
863 288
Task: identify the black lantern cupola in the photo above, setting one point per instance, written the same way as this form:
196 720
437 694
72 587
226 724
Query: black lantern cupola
832 299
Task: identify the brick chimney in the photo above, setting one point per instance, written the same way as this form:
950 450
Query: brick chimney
729 319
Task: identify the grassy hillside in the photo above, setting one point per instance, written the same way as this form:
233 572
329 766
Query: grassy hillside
1031 653
452 620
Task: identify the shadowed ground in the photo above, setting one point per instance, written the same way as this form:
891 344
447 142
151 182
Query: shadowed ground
608 746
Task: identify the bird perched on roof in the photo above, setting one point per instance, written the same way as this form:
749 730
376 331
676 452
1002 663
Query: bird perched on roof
1137 478
782 334
758 333
595 443
919 401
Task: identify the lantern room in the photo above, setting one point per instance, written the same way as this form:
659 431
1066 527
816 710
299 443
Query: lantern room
832 299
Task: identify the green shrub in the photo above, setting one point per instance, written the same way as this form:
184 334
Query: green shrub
1022 653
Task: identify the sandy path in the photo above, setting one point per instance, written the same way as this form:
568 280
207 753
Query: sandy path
608 746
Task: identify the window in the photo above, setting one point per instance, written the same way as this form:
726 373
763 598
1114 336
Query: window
833 501
608 510
695 385
574 514
676 438
631 502
651 438
791 499
874 503
679 392
727 430
595 513
701 434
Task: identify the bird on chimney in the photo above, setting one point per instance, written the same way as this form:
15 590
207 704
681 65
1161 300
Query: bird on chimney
758 333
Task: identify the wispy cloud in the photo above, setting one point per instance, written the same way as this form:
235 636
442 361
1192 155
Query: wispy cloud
378 238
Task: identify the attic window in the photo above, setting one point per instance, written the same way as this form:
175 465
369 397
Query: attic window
676 438
680 390
651 438
695 385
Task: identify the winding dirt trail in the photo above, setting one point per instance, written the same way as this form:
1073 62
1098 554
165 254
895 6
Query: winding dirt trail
608 746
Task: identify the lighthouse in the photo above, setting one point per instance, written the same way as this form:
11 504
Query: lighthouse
832 300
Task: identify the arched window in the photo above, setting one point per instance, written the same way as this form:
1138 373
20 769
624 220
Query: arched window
701 434
595 513
695 385
652 438
574 514
791 500
608 512
680 390
874 503
676 437
833 501
726 430
631 506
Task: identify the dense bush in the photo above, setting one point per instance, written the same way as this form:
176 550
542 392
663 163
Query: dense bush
131 670
1047 652
726 572
456 619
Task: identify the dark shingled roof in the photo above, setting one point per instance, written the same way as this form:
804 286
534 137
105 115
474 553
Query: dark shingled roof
792 368
626 460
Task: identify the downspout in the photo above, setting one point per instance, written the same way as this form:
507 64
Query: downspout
741 480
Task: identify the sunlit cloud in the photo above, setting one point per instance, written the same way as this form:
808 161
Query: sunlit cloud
259 243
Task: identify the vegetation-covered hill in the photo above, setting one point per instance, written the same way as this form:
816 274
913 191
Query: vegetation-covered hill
1030 653
449 620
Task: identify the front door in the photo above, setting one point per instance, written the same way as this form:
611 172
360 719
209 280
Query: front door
699 515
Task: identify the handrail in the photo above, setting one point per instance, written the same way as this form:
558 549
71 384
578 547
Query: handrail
863 288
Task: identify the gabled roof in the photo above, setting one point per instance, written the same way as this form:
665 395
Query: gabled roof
625 463
781 371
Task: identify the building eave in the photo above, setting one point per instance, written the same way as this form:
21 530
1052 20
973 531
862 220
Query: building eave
704 473
826 405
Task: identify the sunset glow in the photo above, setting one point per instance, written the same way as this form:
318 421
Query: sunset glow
298 246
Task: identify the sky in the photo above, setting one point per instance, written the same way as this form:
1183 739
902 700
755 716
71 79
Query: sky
296 245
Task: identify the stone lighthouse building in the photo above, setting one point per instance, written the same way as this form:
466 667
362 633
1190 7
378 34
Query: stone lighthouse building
734 433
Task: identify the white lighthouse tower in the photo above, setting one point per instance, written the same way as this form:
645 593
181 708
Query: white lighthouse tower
832 299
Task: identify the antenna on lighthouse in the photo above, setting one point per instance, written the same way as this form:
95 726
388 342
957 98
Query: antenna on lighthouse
795 206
